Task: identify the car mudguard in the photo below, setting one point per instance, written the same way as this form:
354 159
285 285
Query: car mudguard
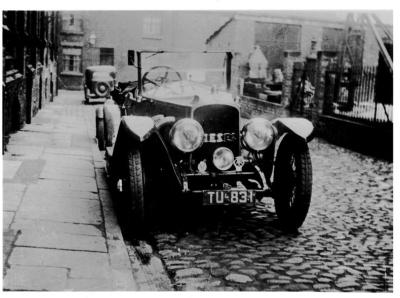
137 128
142 131
299 126
112 119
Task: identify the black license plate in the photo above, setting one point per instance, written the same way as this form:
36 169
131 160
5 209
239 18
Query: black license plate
228 197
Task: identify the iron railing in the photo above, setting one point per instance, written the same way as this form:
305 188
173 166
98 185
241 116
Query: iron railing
355 96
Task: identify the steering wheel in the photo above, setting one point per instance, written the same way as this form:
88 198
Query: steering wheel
160 75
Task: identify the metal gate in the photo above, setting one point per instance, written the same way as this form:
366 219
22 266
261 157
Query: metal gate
352 95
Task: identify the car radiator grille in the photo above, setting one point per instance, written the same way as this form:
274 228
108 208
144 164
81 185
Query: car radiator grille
216 120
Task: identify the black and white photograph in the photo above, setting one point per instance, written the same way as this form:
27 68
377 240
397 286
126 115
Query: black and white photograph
198 150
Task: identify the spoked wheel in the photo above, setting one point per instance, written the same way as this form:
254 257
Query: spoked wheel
292 182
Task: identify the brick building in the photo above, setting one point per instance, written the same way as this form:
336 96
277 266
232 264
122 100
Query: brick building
30 41
275 33
105 37
297 35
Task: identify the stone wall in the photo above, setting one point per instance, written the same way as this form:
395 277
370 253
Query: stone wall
253 107
23 96
375 140
35 91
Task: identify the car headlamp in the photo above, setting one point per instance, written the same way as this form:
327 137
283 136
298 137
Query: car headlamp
223 158
258 134
187 135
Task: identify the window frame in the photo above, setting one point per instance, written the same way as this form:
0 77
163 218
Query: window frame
105 54
273 41
152 27
325 45
72 62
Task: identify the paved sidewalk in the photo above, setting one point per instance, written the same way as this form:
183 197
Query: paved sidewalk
59 229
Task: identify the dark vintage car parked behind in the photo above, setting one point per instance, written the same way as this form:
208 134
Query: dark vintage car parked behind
99 81
178 136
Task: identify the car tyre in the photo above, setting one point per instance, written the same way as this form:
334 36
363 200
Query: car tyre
101 89
292 186
136 190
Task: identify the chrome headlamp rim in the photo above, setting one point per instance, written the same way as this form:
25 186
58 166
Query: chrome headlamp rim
254 131
183 124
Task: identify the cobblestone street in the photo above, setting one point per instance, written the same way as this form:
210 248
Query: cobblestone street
59 224
344 245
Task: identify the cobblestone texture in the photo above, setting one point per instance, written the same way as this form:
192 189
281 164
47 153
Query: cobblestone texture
345 243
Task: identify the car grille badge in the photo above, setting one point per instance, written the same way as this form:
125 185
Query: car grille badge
238 163
239 185
202 166
226 186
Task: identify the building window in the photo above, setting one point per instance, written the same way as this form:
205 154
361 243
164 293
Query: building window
72 63
9 58
71 24
106 56
283 35
131 57
331 39
72 59
152 27
275 38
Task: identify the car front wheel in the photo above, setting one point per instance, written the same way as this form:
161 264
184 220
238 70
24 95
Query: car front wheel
136 186
292 182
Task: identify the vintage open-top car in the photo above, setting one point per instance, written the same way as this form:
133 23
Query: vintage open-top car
177 135
98 81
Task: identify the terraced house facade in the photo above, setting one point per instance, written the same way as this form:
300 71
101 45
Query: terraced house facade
30 42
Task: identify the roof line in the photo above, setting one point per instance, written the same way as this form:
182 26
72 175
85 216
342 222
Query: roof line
219 29
277 18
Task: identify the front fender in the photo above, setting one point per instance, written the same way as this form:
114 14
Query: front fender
132 131
139 128
112 119
299 126
142 132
